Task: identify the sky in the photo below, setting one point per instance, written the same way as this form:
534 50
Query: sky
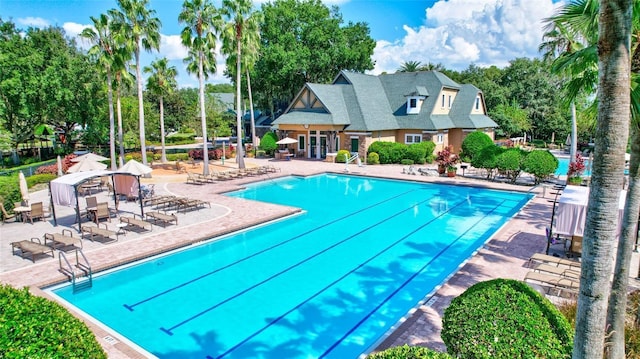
455 33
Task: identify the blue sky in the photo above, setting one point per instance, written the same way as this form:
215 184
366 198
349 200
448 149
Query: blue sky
455 33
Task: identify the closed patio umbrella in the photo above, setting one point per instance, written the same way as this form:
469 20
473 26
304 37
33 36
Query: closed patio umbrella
286 141
24 189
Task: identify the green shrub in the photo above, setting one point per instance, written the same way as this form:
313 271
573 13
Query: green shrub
342 156
406 162
420 152
509 163
40 178
268 143
407 352
505 318
34 327
180 138
541 164
486 159
389 152
373 158
539 144
10 191
177 156
474 143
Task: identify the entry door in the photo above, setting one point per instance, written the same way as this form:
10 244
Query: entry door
313 149
355 146
323 146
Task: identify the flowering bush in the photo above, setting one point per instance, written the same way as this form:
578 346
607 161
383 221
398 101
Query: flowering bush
53 169
447 159
577 167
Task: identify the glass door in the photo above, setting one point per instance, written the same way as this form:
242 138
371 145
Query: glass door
312 146
323 146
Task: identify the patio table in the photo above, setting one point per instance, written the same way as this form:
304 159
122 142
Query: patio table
572 211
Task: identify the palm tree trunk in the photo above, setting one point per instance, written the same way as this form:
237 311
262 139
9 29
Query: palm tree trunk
239 152
203 117
120 130
602 216
254 139
163 158
616 314
112 125
143 146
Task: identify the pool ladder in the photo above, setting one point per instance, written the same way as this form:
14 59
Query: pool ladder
84 279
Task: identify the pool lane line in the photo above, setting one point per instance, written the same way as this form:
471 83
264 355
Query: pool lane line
302 261
130 307
413 276
346 274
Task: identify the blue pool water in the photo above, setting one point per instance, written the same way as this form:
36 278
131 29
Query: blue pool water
328 283
563 167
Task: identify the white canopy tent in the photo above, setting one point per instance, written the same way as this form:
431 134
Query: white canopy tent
64 190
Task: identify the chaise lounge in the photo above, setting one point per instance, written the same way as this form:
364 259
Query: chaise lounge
33 247
554 282
135 222
161 217
105 233
62 240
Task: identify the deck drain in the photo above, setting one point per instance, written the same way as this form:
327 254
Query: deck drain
431 301
111 340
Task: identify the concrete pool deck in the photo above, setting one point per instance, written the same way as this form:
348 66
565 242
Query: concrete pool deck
504 256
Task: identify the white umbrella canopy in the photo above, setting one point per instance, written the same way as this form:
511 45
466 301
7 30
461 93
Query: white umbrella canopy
86 165
60 172
136 168
89 156
286 141
24 189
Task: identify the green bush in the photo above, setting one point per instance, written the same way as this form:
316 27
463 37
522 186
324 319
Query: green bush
407 352
420 152
342 156
474 143
486 159
504 318
10 191
373 158
33 327
389 152
406 162
268 143
177 156
40 178
509 163
180 138
541 164
539 144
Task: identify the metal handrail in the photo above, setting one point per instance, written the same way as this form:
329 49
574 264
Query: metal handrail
68 271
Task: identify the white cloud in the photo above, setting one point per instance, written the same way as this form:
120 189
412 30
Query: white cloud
33 22
171 47
460 32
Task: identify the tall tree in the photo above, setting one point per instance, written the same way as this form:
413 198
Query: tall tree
242 29
607 176
203 22
103 53
162 82
410 66
139 26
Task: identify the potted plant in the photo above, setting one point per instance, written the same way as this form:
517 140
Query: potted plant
447 161
576 168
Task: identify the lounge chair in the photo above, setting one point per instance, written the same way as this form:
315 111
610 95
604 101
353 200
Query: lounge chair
557 261
105 233
33 247
6 216
162 217
193 178
573 272
135 222
551 281
62 240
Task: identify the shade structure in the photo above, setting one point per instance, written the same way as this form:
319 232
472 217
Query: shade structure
286 141
90 156
24 189
136 168
87 165
60 171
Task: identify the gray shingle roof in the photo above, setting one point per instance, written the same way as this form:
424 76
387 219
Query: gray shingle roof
372 103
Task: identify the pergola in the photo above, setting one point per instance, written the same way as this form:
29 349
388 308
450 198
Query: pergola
63 191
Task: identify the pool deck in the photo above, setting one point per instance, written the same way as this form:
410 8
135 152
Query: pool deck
504 256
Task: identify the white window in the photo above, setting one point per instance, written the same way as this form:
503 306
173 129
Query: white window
439 138
477 102
413 103
412 138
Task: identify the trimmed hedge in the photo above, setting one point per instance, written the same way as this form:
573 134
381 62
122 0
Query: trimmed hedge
268 143
9 191
40 178
373 158
342 156
541 164
407 352
34 327
509 163
487 159
505 318
474 143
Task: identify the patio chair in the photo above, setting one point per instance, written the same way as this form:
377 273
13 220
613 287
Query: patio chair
37 211
33 247
92 202
6 216
575 248
102 211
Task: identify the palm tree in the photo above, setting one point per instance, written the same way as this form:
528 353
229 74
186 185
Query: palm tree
575 33
123 79
139 27
103 53
241 29
199 35
410 66
161 82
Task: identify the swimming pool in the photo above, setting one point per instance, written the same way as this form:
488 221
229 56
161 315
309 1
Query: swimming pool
563 167
328 283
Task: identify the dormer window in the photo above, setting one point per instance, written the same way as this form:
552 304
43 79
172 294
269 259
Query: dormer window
477 102
413 104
